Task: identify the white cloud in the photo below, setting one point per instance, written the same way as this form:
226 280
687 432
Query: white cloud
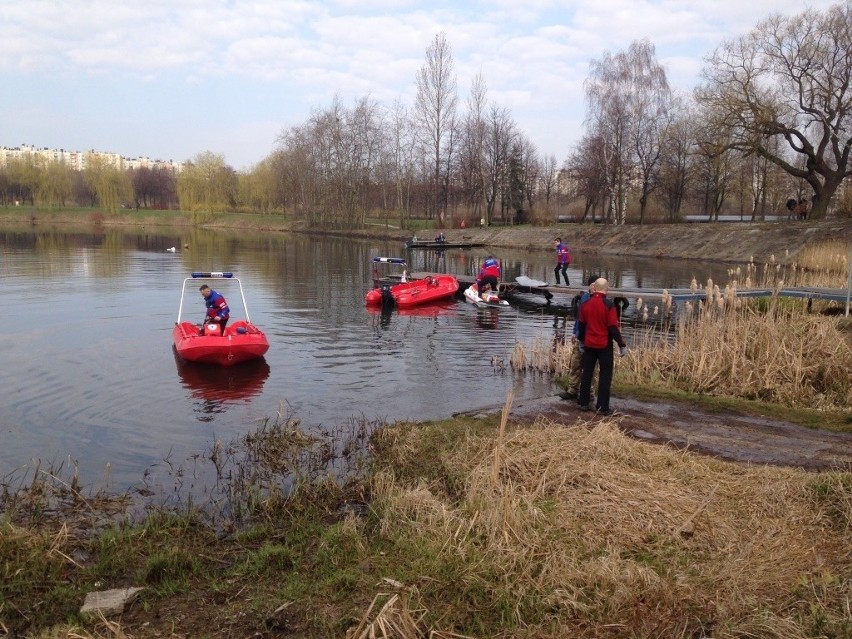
248 63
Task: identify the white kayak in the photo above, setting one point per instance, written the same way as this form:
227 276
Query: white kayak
490 300
523 280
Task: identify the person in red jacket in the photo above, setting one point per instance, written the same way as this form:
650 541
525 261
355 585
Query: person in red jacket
598 329
489 274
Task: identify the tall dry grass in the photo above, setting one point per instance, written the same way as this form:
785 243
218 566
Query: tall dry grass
767 350
585 532
824 265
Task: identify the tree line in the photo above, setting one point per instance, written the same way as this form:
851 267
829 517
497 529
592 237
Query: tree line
770 121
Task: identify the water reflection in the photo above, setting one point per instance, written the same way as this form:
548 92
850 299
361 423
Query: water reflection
385 315
215 387
488 318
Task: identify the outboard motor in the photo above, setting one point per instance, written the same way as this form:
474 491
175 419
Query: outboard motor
387 297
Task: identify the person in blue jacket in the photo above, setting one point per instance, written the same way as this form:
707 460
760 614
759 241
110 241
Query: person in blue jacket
217 308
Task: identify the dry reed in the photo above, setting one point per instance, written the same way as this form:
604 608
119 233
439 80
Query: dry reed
733 347
589 533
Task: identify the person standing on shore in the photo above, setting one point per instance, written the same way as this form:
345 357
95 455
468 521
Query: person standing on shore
563 259
575 365
598 329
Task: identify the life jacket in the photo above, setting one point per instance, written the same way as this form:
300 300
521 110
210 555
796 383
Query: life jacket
490 268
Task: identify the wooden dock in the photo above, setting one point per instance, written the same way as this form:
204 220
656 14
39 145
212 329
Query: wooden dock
440 246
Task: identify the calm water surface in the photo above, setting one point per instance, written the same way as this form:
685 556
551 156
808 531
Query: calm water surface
89 375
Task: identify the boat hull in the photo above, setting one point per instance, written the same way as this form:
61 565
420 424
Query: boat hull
415 293
242 342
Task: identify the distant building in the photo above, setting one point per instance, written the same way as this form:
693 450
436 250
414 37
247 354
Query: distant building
79 160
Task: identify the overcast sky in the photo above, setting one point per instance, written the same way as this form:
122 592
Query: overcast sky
169 79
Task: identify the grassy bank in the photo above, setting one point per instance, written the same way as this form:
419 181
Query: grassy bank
464 528
77 218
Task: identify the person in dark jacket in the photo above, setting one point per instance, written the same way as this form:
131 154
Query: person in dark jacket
598 329
217 308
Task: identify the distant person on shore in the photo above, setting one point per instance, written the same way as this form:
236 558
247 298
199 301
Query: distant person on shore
563 259
440 237
217 309
802 209
489 274
575 365
598 329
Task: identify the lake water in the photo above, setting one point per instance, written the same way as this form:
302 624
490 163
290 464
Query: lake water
89 375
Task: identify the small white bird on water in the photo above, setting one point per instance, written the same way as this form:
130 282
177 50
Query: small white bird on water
171 250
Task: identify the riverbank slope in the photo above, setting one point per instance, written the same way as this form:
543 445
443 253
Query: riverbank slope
735 242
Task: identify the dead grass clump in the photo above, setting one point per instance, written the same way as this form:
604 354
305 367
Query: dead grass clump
393 620
585 530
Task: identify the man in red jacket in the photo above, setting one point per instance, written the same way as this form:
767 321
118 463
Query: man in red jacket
598 329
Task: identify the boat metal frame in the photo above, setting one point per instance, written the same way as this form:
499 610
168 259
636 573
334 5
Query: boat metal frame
212 275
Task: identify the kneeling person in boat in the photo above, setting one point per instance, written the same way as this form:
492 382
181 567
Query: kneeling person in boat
217 308
489 275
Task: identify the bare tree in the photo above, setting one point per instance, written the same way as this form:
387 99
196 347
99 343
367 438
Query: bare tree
471 161
626 95
790 79
676 160
435 112
650 107
500 134
402 154
530 173
715 167
588 180
547 179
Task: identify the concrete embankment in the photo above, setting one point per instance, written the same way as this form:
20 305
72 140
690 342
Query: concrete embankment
724 241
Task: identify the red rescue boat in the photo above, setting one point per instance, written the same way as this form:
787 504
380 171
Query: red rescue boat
406 294
241 341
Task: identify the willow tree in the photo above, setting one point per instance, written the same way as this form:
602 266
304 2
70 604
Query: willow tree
789 80
109 183
206 183
55 185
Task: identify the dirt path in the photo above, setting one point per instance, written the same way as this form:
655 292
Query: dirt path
727 435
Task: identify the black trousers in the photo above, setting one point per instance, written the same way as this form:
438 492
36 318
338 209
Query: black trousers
604 358
488 279
563 268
